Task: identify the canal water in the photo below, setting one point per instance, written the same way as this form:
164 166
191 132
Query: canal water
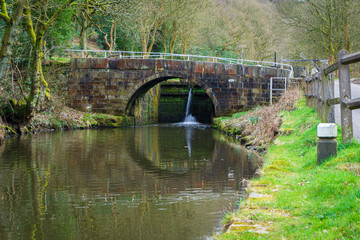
151 182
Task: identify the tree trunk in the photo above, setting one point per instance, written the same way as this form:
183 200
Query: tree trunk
165 33
152 40
144 38
8 38
83 42
184 44
35 71
144 46
114 38
111 44
83 32
172 38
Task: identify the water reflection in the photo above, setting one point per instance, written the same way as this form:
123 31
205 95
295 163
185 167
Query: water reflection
188 139
154 182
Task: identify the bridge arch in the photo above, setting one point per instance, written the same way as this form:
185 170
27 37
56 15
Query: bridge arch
147 83
110 85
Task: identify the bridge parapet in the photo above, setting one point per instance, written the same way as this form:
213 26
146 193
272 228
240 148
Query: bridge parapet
111 85
171 56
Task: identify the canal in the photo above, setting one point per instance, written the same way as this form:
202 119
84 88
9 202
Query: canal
165 181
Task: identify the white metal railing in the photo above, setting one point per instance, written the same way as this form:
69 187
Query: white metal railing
276 89
174 56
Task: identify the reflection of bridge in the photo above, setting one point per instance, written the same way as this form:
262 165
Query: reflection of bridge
111 85
213 161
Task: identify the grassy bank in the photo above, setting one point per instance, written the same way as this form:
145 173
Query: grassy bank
294 198
259 127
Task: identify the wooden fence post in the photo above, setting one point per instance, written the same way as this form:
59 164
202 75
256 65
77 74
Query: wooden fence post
331 92
318 100
312 92
322 94
345 94
328 93
307 90
321 97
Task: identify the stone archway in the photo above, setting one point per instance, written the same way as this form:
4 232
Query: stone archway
147 83
111 85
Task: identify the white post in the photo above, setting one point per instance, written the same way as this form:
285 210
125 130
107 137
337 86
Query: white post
271 90
327 144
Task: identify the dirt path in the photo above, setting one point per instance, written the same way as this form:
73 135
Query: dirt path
355 93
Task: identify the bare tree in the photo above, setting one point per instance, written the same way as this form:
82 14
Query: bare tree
323 26
86 16
178 26
229 27
146 17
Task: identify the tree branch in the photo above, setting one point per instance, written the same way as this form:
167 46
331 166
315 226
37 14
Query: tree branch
6 18
29 26
53 18
3 7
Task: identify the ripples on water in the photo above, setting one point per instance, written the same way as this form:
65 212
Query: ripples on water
153 182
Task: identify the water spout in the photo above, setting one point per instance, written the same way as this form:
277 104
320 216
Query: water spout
189 119
188 103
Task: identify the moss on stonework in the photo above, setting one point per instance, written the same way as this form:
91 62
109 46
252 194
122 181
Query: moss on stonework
111 121
115 121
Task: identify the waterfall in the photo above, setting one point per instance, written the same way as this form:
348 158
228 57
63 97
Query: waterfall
188 103
188 117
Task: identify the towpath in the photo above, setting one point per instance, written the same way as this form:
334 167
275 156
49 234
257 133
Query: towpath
355 93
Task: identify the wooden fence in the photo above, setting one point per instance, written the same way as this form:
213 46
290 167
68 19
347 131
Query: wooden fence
319 92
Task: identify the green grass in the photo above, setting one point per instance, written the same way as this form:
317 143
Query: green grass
60 59
307 200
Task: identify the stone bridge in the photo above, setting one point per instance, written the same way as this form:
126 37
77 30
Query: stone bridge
111 85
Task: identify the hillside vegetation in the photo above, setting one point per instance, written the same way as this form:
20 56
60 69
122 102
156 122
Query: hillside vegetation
34 33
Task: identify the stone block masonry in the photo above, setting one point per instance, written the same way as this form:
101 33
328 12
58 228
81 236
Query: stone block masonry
113 85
